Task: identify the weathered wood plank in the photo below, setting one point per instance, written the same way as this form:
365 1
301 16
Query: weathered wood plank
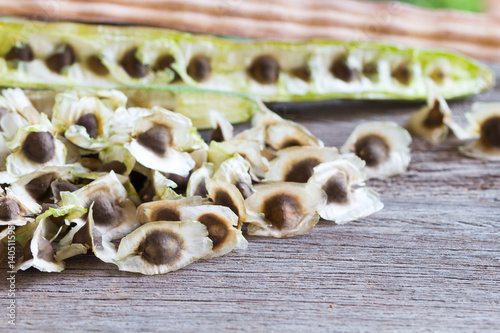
429 261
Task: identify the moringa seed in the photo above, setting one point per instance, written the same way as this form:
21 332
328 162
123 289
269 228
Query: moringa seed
199 68
89 121
265 69
39 146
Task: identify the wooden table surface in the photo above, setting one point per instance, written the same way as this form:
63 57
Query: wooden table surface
429 261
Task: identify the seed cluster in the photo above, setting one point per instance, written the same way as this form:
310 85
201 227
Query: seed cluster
149 195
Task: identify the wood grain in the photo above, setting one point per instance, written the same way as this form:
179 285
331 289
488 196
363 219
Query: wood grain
429 261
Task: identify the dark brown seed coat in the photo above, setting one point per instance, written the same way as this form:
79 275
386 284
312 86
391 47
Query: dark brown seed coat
372 149
160 247
265 69
39 146
156 139
133 66
89 121
199 68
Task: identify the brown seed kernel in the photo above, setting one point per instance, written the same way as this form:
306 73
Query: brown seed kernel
138 180
166 61
302 171
160 247
133 66
163 62
222 198
199 68
116 166
402 74
39 146
106 212
217 229
337 189
372 149
434 117
303 73
155 139
490 132
148 193
167 214
96 66
438 76
83 236
92 163
58 61
58 221
290 143
45 250
201 189
245 189
341 70
217 135
58 187
27 255
21 53
89 121
370 70
9 209
265 69
282 211
39 188
181 181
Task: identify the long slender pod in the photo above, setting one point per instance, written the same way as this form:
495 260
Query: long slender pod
50 55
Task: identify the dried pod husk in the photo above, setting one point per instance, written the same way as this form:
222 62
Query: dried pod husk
222 128
223 193
84 120
38 237
287 133
77 239
36 187
282 210
296 164
162 186
39 252
20 103
35 147
384 146
434 121
248 149
484 123
342 183
235 170
165 210
4 152
162 247
197 181
222 225
160 142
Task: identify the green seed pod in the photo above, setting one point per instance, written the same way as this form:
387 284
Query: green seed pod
70 54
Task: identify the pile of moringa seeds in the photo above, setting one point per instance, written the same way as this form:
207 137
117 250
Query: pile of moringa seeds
141 189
